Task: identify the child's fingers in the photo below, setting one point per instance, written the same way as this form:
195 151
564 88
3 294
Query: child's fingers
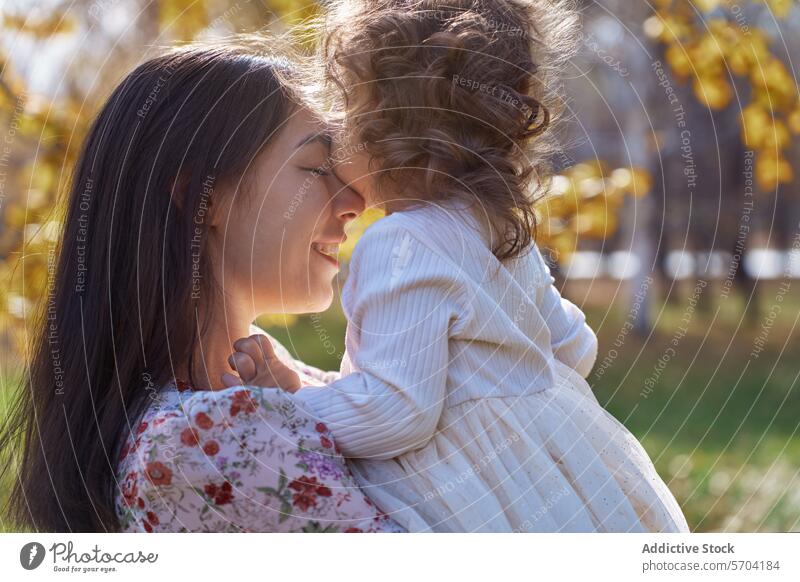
266 346
244 365
250 346
229 380
259 349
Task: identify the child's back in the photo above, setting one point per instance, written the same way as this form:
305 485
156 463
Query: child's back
460 388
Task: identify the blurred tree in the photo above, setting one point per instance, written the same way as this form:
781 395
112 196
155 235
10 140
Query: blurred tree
713 45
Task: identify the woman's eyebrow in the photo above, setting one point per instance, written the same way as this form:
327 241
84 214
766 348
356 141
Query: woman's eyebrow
322 137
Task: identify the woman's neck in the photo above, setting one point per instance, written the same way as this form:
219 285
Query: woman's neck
210 361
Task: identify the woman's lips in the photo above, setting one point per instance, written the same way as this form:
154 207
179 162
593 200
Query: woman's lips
328 251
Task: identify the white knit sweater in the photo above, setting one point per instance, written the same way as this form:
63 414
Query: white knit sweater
434 320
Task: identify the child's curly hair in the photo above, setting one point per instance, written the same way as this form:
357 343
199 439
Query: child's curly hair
457 88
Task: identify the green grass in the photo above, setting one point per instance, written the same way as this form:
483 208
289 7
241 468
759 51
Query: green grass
9 383
720 424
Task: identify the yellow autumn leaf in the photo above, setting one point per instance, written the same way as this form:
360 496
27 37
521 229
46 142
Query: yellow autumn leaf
794 120
182 19
714 92
636 181
587 169
772 170
591 188
775 85
563 245
740 60
780 8
52 24
679 60
706 5
641 183
777 137
755 125
594 222
613 194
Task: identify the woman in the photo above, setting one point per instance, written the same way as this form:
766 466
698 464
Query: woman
202 199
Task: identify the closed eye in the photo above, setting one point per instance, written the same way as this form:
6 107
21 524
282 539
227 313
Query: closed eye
320 171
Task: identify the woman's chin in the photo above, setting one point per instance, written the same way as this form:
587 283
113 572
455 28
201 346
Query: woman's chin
324 299
319 300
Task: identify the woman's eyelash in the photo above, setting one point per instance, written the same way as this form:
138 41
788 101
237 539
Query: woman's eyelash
321 171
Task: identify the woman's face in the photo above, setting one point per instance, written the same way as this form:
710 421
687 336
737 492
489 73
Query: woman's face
279 240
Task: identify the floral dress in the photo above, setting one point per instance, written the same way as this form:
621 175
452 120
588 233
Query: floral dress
237 460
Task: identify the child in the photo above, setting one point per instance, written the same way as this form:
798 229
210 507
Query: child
462 398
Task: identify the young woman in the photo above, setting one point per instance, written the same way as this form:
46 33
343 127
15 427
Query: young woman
201 200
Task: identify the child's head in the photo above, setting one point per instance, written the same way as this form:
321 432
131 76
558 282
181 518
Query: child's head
450 98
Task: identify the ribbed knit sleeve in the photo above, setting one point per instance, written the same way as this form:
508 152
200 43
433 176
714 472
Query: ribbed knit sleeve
572 340
403 302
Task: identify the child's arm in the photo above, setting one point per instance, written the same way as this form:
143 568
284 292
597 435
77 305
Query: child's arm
403 304
572 340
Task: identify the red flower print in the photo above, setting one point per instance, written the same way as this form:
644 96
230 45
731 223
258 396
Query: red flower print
189 437
220 494
125 451
211 448
152 518
321 427
342 498
140 503
142 428
243 401
158 473
204 421
130 489
147 527
304 499
326 442
183 386
307 489
353 530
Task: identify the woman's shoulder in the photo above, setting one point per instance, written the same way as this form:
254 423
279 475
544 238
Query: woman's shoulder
240 459
186 422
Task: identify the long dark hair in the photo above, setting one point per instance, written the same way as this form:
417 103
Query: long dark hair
130 272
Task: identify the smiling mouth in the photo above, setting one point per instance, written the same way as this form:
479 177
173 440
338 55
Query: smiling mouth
328 250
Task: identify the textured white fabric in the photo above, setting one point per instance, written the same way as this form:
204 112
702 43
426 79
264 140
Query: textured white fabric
462 401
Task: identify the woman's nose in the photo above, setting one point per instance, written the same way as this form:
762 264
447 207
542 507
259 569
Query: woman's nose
347 203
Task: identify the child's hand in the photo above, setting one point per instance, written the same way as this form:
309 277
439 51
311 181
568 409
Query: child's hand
257 364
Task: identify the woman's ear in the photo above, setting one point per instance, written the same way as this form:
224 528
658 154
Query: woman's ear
186 192
178 190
